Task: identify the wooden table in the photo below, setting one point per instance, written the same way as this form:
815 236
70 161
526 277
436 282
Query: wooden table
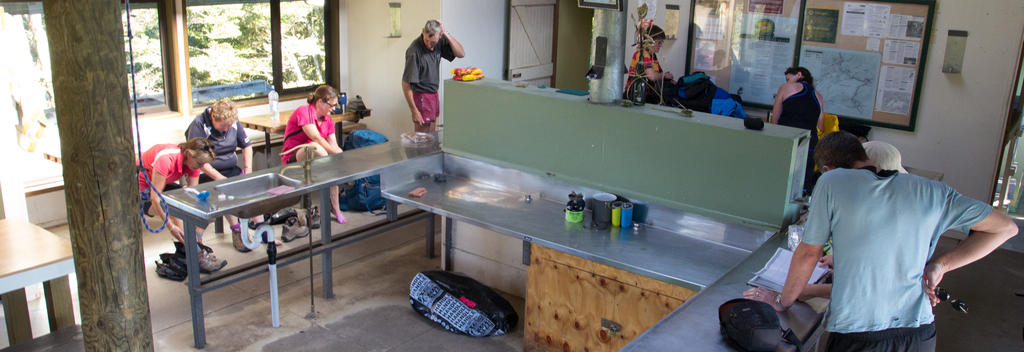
265 124
30 254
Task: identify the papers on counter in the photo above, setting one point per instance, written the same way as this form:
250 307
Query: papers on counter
773 275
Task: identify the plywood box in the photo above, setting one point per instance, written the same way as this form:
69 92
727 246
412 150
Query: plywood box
573 304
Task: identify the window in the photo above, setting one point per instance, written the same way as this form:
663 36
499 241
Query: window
232 53
147 48
26 59
229 50
302 44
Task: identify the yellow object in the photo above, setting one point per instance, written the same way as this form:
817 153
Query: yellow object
477 71
829 125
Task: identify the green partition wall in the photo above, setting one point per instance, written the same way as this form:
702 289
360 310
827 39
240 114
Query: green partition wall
706 163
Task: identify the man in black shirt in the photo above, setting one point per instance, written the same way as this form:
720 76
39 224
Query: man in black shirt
422 72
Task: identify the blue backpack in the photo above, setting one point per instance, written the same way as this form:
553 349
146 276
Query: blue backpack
365 192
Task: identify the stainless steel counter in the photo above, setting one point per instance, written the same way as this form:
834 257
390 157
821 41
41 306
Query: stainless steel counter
252 198
327 171
695 323
680 248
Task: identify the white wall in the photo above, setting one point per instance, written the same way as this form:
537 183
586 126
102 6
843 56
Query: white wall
961 117
673 52
376 62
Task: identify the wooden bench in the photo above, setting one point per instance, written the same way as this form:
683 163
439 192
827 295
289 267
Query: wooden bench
28 255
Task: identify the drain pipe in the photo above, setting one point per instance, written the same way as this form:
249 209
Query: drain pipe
265 234
606 60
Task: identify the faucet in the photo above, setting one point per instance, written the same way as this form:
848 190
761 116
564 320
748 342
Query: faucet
307 165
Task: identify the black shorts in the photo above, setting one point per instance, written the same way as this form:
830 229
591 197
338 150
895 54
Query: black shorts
921 339
228 172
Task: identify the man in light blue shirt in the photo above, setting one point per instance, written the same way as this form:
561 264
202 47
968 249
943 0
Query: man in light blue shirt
884 226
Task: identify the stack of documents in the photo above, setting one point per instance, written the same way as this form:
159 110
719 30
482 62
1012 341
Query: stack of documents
773 275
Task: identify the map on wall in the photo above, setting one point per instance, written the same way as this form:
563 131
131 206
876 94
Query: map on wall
846 79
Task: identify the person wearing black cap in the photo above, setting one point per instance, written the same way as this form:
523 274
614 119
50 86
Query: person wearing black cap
884 226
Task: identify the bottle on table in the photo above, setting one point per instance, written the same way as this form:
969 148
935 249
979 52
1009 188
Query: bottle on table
273 97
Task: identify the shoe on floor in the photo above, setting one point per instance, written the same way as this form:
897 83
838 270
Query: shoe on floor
236 240
292 230
339 217
209 263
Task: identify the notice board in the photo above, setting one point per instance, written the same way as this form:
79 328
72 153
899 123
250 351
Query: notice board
866 56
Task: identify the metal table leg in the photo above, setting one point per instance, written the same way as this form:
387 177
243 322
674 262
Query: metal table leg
266 148
430 236
391 207
195 295
448 245
327 271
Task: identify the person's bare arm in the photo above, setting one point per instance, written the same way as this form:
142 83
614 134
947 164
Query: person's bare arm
800 268
213 173
653 74
985 237
457 49
247 160
777 106
332 140
821 115
314 135
407 92
159 182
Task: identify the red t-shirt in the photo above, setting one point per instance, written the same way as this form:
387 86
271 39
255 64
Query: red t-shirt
165 159
304 115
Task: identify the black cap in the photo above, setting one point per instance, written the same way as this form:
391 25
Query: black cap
750 325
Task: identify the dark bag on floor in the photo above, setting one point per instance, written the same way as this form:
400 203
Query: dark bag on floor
460 304
364 195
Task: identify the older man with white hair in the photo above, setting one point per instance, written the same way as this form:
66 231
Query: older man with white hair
422 76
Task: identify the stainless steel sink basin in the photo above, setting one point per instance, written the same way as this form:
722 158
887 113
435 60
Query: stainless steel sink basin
258 186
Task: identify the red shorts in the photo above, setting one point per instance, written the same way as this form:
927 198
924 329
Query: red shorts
428 105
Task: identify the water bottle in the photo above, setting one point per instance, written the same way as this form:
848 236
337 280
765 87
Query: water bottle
272 97
795 234
342 100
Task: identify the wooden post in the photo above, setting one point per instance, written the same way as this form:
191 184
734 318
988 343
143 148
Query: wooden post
88 62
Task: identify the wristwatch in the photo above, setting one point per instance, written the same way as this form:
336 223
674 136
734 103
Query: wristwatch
778 301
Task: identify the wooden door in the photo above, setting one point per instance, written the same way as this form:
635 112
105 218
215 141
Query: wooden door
531 41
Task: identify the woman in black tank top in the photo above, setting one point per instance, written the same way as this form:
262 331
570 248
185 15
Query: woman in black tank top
798 104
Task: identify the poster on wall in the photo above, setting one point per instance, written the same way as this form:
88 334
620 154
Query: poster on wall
846 79
762 50
895 90
901 52
671 21
768 7
710 28
704 58
906 27
820 25
865 20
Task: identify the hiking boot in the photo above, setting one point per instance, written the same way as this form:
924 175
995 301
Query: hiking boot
236 240
292 230
209 263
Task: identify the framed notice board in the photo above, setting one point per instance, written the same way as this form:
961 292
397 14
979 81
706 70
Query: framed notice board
866 56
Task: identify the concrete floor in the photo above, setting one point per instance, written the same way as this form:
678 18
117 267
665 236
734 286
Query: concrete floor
370 310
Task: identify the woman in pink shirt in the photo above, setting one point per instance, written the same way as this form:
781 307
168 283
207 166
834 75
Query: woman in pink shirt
313 124
165 164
